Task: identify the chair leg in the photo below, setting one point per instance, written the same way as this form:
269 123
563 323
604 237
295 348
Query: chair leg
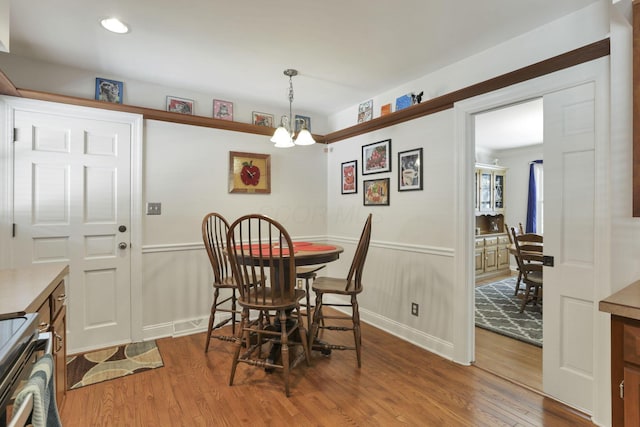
309 314
284 349
518 282
216 292
233 312
238 343
357 336
526 298
317 318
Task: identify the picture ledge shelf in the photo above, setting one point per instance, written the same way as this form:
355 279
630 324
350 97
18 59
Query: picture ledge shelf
577 56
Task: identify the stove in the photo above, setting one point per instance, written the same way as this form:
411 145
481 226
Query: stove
18 344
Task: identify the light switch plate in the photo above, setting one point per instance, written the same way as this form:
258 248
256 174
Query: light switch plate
154 208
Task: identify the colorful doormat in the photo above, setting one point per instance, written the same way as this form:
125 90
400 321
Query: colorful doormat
498 310
114 362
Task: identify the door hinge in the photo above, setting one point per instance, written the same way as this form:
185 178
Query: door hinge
621 386
13 230
15 134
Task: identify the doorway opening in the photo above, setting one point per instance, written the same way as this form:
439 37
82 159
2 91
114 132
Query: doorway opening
507 140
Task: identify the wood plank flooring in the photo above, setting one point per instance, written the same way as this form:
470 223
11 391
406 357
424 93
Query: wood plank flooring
398 384
509 358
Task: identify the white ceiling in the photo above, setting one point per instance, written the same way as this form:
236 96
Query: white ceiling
346 51
514 126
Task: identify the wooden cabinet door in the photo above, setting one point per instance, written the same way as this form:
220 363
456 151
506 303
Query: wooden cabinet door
631 396
503 257
479 261
58 329
490 258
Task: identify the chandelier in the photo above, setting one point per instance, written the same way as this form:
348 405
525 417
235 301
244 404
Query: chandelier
284 134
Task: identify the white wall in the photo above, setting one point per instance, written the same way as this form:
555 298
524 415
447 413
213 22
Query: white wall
36 75
186 168
517 184
411 259
580 28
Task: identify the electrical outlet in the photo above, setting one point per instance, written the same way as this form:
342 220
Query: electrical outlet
415 308
154 208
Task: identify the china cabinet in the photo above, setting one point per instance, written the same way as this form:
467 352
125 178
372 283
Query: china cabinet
492 241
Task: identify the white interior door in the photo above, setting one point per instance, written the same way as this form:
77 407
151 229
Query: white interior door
569 236
72 185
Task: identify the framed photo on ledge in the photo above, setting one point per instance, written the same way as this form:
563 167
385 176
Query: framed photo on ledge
349 177
179 105
376 192
302 119
109 90
249 173
262 119
222 110
376 157
410 170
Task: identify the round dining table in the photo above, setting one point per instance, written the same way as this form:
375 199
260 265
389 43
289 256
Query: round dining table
305 253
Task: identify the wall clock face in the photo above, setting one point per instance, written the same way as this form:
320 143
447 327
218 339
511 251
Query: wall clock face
249 173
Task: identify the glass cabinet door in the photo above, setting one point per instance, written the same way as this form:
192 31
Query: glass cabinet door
485 190
498 191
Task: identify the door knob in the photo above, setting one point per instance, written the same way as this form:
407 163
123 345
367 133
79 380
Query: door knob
122 245
122 228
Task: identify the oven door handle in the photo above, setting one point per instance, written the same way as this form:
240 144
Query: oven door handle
45 342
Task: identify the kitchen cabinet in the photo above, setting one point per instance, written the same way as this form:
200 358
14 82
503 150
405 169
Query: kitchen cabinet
40 289
624 307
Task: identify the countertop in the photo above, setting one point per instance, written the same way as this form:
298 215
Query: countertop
25 289
624 303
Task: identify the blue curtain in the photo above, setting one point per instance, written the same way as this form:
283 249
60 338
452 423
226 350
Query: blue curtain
532 202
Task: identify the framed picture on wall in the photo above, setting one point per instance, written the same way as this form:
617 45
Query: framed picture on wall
249 173
376 157
222 110
410 170
376 192
179 105
365 111
349 178
300 120
109 90
262 119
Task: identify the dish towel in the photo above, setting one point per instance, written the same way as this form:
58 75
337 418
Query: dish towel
41 387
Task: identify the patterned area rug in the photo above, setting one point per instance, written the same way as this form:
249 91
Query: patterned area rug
497 310
115 362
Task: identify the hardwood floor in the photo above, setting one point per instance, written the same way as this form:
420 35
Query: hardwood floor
506 357
398 384
511 359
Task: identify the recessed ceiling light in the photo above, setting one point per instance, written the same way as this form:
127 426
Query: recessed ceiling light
114 25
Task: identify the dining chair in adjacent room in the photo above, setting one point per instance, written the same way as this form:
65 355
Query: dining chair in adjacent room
529 249
259 246
512 251
350 287
214 234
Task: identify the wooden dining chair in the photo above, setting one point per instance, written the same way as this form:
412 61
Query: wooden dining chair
214 235
529 249
308 273
350 286
259 246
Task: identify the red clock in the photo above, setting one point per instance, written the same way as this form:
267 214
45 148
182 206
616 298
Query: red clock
250 174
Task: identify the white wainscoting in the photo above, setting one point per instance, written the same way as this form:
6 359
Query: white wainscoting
177 290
